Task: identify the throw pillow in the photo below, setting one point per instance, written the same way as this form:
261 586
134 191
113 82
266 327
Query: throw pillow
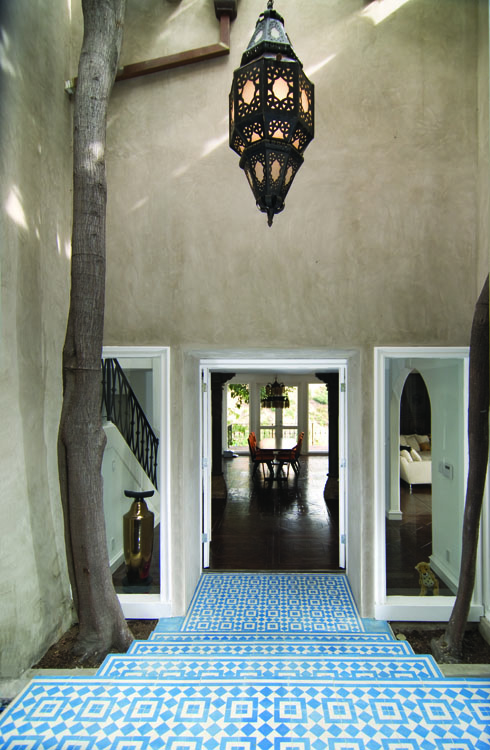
425 446
413 442
415 455
406 455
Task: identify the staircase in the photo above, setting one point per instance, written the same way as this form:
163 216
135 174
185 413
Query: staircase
276 661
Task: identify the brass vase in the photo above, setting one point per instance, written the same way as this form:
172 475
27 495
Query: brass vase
138 540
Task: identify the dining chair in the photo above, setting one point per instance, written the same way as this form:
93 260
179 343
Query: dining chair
291 457
260 457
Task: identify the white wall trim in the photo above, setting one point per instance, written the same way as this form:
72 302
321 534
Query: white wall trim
421 609
302 365
154 606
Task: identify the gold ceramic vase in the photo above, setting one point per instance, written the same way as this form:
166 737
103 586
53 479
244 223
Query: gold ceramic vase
138 539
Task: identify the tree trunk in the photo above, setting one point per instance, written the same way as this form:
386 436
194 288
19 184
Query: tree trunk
81 441
448 648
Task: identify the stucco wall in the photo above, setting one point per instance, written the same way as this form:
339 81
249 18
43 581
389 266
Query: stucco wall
379 236
383 239
35 133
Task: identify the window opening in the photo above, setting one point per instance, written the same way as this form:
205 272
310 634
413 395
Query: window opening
237 415
280 423
318 417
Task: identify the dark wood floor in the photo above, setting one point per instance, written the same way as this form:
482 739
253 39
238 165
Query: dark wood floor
280 525
409 542
286 525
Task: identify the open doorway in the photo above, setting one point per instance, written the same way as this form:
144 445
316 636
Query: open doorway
284 523
137 430
445 376
409 539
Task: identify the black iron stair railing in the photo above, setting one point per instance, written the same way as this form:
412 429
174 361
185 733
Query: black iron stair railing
123 409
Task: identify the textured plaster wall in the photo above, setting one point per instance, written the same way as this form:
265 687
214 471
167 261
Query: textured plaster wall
384 237
35 163
384 240
380 230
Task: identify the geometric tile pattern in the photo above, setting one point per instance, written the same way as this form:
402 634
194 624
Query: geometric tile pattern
277 602
365 647
260 662
367 715
268 668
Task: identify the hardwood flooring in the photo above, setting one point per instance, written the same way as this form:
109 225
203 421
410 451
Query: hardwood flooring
279 525
286 525
409 542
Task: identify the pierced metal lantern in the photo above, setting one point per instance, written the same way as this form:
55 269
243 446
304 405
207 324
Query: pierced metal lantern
271 113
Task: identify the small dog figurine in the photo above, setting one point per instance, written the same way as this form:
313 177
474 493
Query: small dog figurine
427 579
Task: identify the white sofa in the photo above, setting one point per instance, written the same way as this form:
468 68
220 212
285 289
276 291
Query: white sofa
415 459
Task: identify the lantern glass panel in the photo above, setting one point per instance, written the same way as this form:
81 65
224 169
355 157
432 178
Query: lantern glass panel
248 92
280 88
275 170
253 132
305 104
289 175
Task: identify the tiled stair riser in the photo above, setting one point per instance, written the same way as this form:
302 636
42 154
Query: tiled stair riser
246 669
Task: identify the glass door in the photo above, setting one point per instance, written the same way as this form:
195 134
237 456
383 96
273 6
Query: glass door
280 423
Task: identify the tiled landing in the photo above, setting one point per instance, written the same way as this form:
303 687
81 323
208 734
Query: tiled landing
278 679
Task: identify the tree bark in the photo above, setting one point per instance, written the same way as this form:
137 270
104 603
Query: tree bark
81 440
448 648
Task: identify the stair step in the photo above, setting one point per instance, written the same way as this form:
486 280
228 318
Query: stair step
365 715
159 635
203 646
273 602
259 668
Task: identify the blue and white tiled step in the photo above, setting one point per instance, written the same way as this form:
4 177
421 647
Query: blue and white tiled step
313 669
99 713
260 662
180 644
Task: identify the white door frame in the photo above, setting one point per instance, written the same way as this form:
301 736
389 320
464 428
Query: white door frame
411 608
279 366
206 464
153 606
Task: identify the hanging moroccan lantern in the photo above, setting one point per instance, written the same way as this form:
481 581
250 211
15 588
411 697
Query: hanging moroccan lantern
271 113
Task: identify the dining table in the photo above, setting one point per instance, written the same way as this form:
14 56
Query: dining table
276 444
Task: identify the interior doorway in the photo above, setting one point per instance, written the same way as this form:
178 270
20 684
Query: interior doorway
445 374
285 370
274 525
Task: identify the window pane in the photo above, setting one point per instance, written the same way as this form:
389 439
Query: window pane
318 416
238 400
290 415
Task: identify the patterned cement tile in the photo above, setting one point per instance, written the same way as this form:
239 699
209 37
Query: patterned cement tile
273 602
98 714
211 644
203 636
245 668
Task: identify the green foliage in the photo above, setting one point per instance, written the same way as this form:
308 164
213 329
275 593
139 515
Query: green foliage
321 397
241 392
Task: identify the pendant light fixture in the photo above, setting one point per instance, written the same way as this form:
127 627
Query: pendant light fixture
271 113
275 396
